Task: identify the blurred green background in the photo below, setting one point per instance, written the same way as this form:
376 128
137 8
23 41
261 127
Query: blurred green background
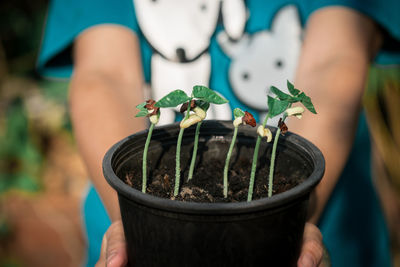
37 153
24 96
42 178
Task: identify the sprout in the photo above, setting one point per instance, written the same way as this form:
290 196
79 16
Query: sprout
281 103
147 109
201 114
297 96
204 96
174 99
241 117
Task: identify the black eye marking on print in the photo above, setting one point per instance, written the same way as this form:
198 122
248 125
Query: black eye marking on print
154 1
203 7
245 76
181 54
279 64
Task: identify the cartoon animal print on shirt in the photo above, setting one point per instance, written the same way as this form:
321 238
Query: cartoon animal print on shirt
264 58
179 31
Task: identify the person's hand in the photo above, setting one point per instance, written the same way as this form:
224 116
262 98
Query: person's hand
312 250
113 247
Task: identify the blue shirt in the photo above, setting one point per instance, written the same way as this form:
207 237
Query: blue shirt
352 224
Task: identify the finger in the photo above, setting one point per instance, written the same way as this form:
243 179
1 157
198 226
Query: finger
312 248
116 255
102 260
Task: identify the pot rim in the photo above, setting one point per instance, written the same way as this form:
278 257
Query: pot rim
217 208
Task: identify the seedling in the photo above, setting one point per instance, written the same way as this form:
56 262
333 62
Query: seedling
285 101
147 109
282 103
196 106
241 117
200 108
203 96
262 132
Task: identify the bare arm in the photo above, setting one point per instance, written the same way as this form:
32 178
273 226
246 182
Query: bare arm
338 47
105 88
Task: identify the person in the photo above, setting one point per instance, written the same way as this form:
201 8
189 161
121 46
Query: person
117 48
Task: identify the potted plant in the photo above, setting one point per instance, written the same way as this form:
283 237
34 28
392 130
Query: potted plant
205 225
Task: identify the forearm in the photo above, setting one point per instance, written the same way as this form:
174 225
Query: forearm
339 44
102 112
332 130
105 88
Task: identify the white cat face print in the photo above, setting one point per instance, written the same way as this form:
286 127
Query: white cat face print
264 58
180 32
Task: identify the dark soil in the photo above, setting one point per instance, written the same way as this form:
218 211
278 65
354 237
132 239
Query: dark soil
207 183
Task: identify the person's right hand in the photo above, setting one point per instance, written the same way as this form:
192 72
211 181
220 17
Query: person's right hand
113 248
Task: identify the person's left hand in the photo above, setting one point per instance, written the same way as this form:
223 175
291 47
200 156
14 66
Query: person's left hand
113 247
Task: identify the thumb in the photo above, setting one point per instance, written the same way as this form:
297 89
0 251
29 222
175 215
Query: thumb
312 249
113 249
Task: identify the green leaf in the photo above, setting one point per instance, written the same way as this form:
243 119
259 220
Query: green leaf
142 113
237 112
281 95
173 99
208 95
142 110
276 106
203 105
141 106
306 101
292 90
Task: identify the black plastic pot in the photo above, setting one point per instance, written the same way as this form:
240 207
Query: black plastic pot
163 232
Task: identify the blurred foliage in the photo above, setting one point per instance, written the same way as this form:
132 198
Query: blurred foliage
382 104
31 109
21 159
21 24
10 262
6 260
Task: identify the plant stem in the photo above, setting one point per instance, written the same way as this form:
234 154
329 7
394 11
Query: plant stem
144 165
254 163
178 162
273 155
272 163
253 169
178 154
228 158
195 145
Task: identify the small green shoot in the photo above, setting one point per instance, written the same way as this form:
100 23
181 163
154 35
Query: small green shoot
173 99
147 109
202 97
241 117
278 103
200 109
282 102
262 132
